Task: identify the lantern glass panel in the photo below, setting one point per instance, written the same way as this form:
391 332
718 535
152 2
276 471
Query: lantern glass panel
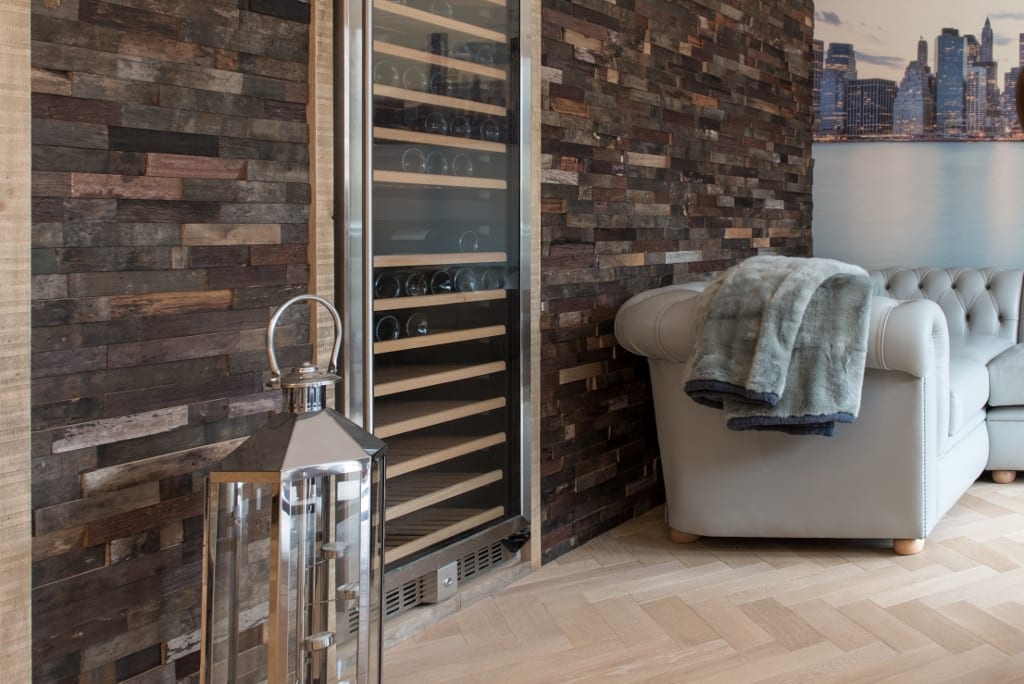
239 523
289 564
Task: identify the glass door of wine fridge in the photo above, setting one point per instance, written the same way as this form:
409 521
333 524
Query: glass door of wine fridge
442 272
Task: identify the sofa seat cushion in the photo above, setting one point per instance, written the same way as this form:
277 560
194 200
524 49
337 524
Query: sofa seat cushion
979 348
968 392
1006 376
1005 435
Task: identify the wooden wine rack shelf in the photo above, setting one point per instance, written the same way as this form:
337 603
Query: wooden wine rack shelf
421 530
407 454
395 379
392 16
437 300
417 138
395 418
434 179
449 259
439 338
410 494
397 93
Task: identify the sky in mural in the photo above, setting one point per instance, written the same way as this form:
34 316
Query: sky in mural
884 33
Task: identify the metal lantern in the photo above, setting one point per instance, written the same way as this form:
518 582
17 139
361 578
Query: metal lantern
293 547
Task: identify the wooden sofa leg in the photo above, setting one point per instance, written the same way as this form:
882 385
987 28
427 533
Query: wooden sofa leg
907 547
682 537
1004 476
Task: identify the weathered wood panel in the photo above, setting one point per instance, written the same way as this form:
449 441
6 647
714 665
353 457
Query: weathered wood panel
675 142
170 197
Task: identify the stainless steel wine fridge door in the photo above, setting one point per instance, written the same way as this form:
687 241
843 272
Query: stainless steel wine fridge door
442 271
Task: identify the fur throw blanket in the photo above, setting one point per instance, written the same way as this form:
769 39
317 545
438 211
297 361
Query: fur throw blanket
783 344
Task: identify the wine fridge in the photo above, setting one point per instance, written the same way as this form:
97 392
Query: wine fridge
432 126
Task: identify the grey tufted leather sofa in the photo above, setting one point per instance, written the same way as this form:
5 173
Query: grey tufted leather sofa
943 399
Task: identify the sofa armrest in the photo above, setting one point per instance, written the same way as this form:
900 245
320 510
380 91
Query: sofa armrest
902 336
659 323
912 337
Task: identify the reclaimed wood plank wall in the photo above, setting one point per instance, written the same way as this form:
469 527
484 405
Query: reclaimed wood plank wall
676 142
171 214
171 204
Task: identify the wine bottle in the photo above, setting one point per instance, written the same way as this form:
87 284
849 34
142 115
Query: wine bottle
441 282
461 127
414 284
386 73
492 279
437 163
415 78
466 280
408 159
490 130
387 327
416 325
443 83
462 165
436 123
386 285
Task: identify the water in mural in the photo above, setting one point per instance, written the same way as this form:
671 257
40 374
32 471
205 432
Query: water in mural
919 154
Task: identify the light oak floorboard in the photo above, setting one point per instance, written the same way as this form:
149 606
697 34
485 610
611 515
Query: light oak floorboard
631 606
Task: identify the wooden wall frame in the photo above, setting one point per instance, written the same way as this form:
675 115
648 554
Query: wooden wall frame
15 358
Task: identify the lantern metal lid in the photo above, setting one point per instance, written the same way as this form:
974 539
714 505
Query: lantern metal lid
291 444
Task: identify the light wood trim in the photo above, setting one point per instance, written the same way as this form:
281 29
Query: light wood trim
436 339
15 359
408 454
450 259
399 417
433 179
533 550
461 65
429 539
437 300
417 16
406 378
418 138
438 100
436 488
499 3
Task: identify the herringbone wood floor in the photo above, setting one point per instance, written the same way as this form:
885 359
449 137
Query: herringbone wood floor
631 606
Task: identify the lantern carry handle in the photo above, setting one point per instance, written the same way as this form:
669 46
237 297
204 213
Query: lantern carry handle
275 370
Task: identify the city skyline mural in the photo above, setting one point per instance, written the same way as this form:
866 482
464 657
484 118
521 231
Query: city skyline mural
918 153
913 68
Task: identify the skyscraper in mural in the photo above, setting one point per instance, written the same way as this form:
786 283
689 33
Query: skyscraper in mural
972 47
840 68
975 100
987 39
1013 124
869 106
950 71
914 106
819 59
